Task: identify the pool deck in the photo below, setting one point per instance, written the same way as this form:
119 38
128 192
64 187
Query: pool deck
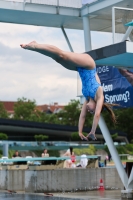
95 194
88 195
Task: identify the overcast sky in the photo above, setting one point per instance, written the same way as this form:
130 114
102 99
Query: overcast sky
34 76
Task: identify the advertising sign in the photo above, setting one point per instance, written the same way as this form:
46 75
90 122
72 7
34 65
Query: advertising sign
117 85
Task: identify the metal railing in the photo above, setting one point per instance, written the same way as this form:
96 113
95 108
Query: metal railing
63 3
8 160
58 3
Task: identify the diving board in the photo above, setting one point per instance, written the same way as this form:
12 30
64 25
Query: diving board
118 55
129 24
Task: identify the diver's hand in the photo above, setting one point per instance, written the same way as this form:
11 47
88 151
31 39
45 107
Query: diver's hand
82 136
92 136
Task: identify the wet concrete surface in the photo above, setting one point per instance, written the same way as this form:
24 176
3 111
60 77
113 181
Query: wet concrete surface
88 195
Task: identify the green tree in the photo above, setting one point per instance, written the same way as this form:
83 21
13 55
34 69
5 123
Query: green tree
70 114
91 150
40 138
124 121
75 136
3 136
3 112
1 153
10 153
125 117
25 109
50 118
114 136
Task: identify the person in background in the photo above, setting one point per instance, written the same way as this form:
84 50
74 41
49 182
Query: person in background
83 161
69 162
16 154
109 157
45 153
105 162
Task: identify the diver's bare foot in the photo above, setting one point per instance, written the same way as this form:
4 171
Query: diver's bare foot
30 46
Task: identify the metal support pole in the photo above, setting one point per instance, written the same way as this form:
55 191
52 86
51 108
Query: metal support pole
102 124
113 24
24 2
129 30
57 7
67 40
87 33
5 149
113 152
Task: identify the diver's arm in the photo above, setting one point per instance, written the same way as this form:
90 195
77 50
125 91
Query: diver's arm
99 104
82 120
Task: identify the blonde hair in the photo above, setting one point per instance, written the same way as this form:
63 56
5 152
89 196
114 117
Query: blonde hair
108 107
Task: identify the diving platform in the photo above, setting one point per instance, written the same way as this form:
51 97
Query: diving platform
118 55
61 13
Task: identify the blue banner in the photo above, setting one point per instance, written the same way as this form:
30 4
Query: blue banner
117 85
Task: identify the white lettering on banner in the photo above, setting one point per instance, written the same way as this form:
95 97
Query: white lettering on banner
107 88
102 69
119 97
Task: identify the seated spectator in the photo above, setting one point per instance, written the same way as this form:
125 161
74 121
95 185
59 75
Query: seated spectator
16 154
83 161
73 160
69 163
45 153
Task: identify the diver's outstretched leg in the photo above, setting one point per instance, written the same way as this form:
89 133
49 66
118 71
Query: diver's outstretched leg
67 59
44 49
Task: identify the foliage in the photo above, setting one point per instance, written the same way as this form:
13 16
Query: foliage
125 117
91 150
75 136
49 118
40 137
3 112
126 149
25 109
70 114
114 136
10 153
121 150
124 121
1 153
3 136
129 148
